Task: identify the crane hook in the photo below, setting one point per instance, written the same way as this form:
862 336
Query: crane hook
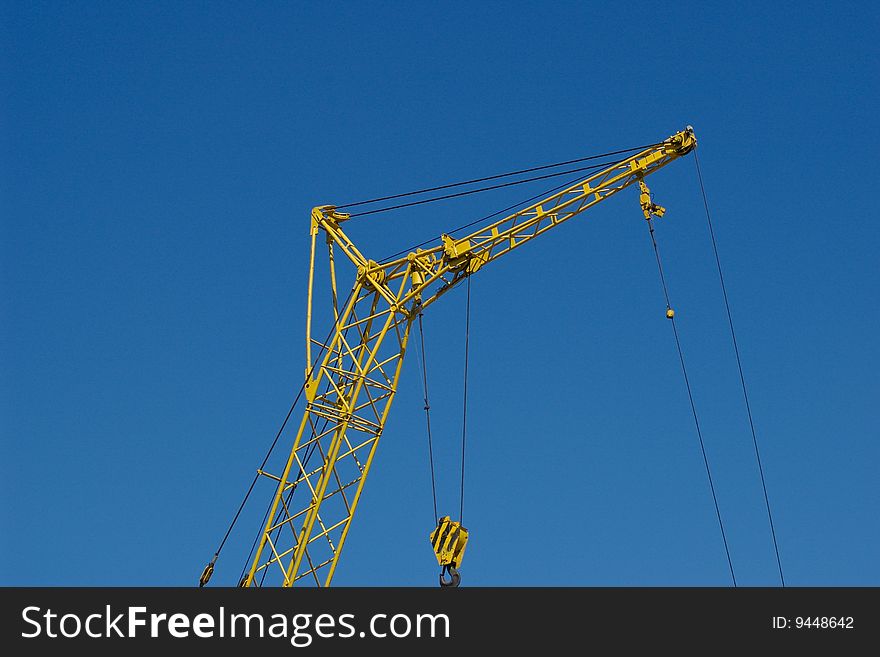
454 577
449 540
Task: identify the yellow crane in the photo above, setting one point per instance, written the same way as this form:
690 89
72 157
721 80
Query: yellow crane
352 375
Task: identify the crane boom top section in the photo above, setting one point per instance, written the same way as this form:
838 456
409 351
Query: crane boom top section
435 270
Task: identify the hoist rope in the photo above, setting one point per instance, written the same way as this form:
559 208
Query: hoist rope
424 367
742 377
257 476
259 534
494 177
424 364
270 450
693 405
247 561
310 450
467 335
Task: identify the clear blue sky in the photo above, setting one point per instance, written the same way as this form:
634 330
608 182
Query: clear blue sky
159 161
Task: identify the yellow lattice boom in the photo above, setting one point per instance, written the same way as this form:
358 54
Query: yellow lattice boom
352 376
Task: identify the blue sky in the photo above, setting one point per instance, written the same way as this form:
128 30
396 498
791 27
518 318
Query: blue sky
158 165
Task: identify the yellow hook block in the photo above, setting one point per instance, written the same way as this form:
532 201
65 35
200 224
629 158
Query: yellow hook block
449 540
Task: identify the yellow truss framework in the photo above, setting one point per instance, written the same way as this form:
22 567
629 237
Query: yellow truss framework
353 377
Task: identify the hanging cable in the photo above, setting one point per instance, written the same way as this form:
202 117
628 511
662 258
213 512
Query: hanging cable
444 197
467 335
257 536
671 315
310 450
742 377
495 177
262 525
209 569
486 218
424 363
305 461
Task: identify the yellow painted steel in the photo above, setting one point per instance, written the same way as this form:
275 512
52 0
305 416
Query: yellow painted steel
449 539
649 208
352 379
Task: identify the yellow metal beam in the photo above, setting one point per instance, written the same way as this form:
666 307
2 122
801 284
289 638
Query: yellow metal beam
352 380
